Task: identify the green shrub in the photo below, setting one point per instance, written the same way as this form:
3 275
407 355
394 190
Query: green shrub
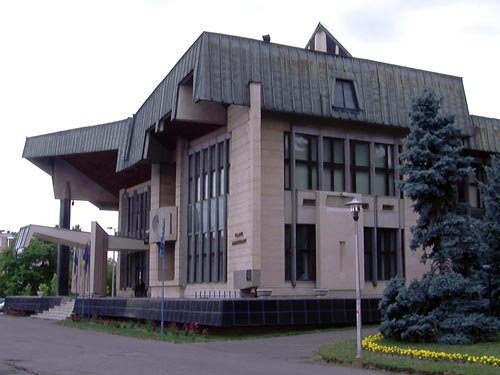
446 308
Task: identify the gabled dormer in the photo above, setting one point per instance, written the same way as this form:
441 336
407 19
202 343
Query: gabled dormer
323 41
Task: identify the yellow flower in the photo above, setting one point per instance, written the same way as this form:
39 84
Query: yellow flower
371 343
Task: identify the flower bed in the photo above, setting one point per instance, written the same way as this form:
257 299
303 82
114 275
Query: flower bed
371 343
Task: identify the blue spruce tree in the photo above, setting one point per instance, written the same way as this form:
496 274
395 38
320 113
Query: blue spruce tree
446 305
434 167
490 246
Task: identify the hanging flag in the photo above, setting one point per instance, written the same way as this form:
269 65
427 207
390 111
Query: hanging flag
162 241
75 261
86 257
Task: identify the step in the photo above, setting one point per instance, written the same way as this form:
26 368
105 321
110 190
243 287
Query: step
60 312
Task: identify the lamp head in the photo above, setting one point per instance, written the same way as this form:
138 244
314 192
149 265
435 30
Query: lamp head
355 206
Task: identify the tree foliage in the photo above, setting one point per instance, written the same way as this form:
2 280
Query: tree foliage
447 305
445 308
434 166
490 231
22 274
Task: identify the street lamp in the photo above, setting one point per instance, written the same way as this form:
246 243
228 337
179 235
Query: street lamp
356 206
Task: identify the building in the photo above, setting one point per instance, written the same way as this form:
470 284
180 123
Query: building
243 158
6 238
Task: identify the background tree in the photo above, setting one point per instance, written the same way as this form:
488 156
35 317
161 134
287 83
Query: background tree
490 246
446 305
22 273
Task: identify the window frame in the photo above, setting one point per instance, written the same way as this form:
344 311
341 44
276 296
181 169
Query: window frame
310 164
360 168
386 171
333 165
208 190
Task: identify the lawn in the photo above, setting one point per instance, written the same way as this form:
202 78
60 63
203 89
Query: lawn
345 352
183 334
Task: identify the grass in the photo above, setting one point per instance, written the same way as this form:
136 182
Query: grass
177 334
345 352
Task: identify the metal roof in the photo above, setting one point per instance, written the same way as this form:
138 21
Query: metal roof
486 135
88 139
293 81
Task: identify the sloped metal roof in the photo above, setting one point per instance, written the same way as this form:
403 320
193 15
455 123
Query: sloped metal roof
105 137
486 135
293 81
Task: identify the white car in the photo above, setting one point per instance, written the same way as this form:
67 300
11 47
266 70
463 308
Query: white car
2 303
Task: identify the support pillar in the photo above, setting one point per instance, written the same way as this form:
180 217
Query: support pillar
63 251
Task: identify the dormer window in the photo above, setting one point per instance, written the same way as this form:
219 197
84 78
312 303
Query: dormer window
344 94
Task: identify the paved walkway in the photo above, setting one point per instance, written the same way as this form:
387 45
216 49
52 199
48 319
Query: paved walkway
29 346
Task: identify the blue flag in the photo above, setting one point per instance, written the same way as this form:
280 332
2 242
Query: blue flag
86 257
75 261
162 241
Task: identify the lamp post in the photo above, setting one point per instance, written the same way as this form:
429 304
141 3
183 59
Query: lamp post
356 206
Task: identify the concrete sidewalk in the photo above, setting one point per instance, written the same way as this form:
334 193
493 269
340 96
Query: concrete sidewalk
29 346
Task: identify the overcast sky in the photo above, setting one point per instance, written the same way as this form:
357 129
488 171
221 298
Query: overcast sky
67 64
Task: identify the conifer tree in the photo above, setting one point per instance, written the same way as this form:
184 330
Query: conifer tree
434 166
490 246
447 304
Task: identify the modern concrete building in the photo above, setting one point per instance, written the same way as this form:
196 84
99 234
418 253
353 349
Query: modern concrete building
6 238
243 158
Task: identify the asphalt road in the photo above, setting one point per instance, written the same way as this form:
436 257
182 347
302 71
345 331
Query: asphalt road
31 346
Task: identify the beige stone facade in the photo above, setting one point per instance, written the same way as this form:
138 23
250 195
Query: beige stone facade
259 208
243 159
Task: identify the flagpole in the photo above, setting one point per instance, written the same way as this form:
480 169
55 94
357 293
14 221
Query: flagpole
84 287
75 272
162 257
88 304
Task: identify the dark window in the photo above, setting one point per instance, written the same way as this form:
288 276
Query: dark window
288 252
207 213
368 244
305 256
286 149
135 213
385 253
333 164
306 162
306 252
477 176
360 167
344 95
384 169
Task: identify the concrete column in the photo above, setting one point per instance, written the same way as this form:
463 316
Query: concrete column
63 251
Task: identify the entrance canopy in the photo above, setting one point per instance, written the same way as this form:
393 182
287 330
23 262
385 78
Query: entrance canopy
73 238
97 243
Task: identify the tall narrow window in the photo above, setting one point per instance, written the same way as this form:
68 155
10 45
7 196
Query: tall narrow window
368 246
207 213
384 169
360 167
386 253
333 164
344 95
306 252
286 149
477 176
306 161
288 252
